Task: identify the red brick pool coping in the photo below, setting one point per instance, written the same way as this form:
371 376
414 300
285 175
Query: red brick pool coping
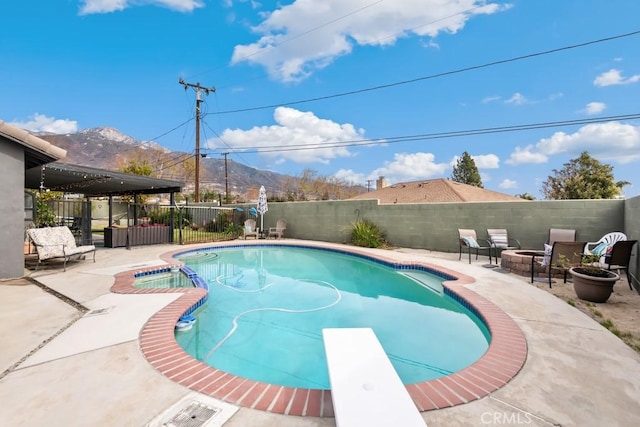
503 359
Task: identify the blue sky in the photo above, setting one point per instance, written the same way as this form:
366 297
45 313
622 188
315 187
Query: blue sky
355 89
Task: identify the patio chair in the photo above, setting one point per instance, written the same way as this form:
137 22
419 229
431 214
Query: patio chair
573 251
250 229
604 244
499 240
278 230
561 235
468 239
58 242
619 257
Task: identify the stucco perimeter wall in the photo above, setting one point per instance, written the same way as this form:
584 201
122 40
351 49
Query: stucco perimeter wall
12 210
632 229
435 226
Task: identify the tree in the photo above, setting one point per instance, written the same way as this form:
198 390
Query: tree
582 178
137 166
466 172
526 196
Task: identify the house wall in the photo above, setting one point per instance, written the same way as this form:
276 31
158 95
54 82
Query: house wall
11 209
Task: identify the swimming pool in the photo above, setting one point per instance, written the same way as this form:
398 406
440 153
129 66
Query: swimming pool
264 319
502 361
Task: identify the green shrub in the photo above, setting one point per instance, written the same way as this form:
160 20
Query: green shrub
163 216
45 217
366 234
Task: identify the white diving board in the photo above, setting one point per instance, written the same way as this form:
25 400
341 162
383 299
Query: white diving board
365 388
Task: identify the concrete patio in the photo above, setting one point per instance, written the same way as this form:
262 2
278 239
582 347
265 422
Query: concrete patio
63 366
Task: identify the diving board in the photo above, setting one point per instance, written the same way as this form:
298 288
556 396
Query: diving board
365 388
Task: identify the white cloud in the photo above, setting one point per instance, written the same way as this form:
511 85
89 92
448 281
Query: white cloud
486 161
605 141
614 77
42 123
516 99
293 130
482 161
526 155
594 108
304 36
106 6
410 167
489 99
351 177
508 184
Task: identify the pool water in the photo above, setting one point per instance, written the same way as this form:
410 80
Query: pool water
268 304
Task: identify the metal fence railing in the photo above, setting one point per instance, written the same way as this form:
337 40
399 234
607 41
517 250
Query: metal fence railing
75 214
134 224
201 224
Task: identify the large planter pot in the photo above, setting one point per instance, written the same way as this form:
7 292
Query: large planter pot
593 288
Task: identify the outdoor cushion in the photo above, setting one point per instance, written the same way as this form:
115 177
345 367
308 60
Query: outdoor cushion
471 242
601 249
547 254
247 228
500 240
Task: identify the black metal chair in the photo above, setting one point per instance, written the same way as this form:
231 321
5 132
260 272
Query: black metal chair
573 252
619 257
499 241
468 240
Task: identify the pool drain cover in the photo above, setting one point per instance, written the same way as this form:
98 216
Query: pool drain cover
194 415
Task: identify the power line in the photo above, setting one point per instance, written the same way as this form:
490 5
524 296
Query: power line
433 76
439 135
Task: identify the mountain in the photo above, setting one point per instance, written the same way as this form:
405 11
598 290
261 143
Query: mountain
107 147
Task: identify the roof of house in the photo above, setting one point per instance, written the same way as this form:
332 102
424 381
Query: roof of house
434 191
37 150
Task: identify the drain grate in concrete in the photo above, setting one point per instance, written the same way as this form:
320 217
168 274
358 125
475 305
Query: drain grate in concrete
194 415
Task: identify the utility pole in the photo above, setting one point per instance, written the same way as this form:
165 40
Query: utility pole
226 179
369 181
198 90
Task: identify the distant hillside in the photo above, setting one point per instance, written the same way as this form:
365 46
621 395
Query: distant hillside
106 147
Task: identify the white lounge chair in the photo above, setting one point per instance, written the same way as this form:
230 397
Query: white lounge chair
250 229
601 246
278 230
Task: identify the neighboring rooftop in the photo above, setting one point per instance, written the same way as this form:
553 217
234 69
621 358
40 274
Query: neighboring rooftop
434 191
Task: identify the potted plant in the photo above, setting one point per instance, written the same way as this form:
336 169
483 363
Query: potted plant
591 282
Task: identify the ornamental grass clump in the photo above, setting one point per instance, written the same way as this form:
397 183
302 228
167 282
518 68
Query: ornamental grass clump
366 234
